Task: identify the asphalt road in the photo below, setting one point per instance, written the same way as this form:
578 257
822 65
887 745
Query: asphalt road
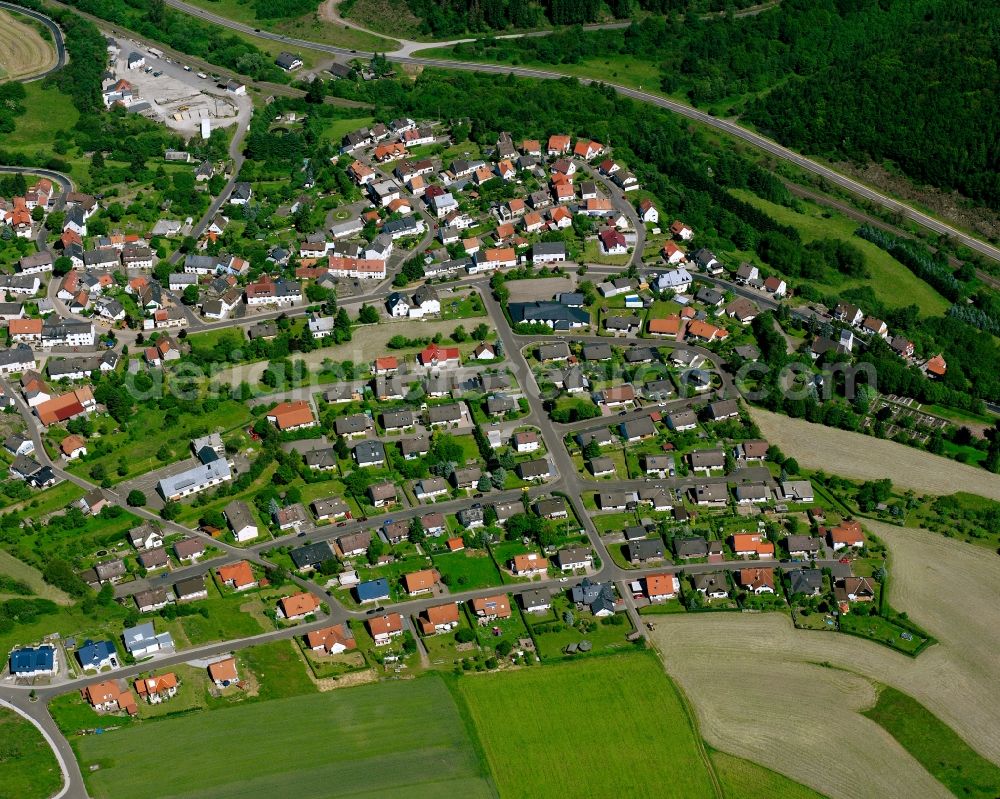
57 37
65 181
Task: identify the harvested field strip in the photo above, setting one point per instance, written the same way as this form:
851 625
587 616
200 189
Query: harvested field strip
963 771
863 457
23 51
759 693
772 694
529 724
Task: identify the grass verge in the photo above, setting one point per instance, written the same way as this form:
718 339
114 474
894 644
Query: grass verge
934 744
28 769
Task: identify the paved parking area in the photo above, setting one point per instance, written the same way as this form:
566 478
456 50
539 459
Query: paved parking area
177 97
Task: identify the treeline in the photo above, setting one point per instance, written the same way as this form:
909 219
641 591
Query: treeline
154 20
918 86
442 18
956 285
916 258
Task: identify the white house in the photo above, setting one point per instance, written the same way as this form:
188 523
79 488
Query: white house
648 212
676 280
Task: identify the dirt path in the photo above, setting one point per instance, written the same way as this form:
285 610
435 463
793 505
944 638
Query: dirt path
864 457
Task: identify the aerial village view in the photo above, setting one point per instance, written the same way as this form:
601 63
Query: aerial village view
510 399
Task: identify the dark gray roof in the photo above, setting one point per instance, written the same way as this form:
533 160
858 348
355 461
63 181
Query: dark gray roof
805 581
696 547
561 315
369 452
644 549
311 554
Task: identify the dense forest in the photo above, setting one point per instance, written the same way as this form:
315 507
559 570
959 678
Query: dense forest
443 18
911 81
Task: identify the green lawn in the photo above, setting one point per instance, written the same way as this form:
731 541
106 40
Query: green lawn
279 669
150 430
603 727
49 115
225 620
203 344
937 747
387 740
308 26
744 779
338 128
467 570
882 630
893 283
28 769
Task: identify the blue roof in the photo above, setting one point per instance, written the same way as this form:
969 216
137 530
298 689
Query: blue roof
91 654
373 589
29 660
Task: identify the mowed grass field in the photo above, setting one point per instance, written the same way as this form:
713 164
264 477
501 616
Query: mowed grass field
606 726
893 283
28 769
402 739
742 779
962 770
23 51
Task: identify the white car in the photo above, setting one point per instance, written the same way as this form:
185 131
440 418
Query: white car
187 68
